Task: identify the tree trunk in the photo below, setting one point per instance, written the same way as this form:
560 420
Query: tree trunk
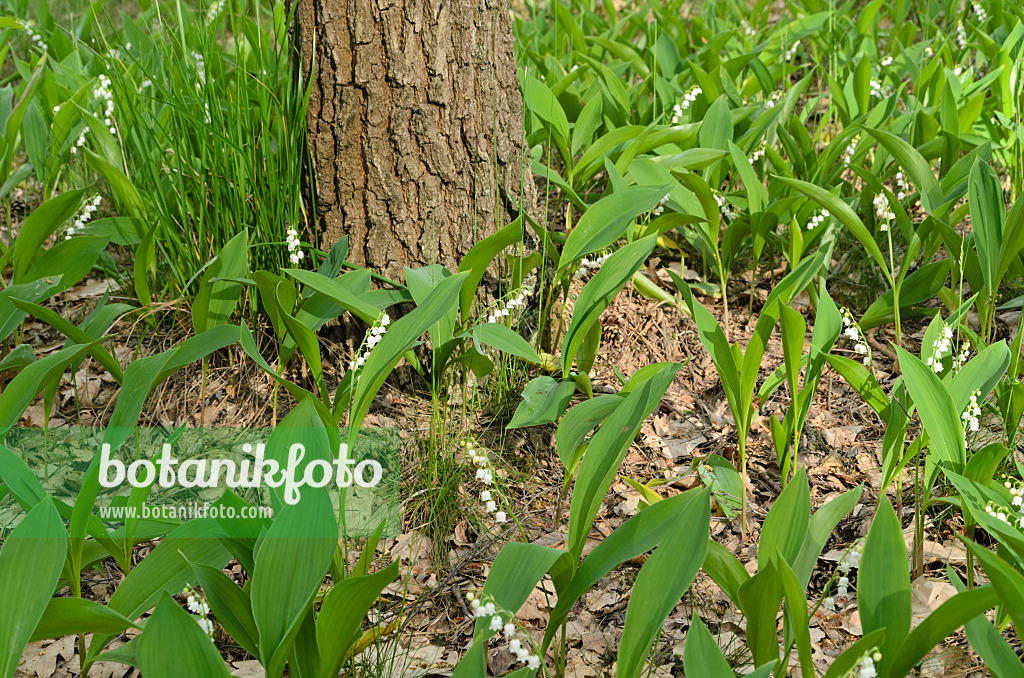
415 126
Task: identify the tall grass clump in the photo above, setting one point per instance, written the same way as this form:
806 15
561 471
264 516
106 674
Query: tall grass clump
212 122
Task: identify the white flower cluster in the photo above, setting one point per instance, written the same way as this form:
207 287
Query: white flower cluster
197 606
791 52
295 253
772 98
483 467
849 561
85 215
942 346
817 220
961 35
1005 514
928 51
103 93
980 12
879 89
81 140
854 334
748 30
659 209
850 149
758 151
200 68
373 338
517 300
867 664
486 476
1017 492
214 11
588 265
902 186
970 416
724 207
886 61
688 98
36 39
508 630
883 212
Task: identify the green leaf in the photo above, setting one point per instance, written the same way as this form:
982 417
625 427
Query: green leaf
401 335
336 291
883 583
606 220
174 645
819 530
166 570
38 226
216 299
841 211
726 570
579 421
290 565
606 451
760 598
1007 581
939 416
986 201
480 256
230 605
852 656
701 654
940 624
636 536
913 163
662 581
339 624
544 400
71 616
504 339
31 561
600 291
785 528
545 105
75 334
716 128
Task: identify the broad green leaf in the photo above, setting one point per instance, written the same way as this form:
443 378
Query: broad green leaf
31 561
336 291
71 616
819 530
918 170
636 536
606 220
230 605
479 258
841 211
600 291
579 421
544 400
401 335
939 415
940 624
883 583
606 451
661 583
216 299
504 339
852 656
785 528
290 565
339 624
760 598
174 645
38 226
701 654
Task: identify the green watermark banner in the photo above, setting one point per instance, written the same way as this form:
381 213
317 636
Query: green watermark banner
147 481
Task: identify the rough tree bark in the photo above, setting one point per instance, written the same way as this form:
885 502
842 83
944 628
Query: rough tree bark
415 123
